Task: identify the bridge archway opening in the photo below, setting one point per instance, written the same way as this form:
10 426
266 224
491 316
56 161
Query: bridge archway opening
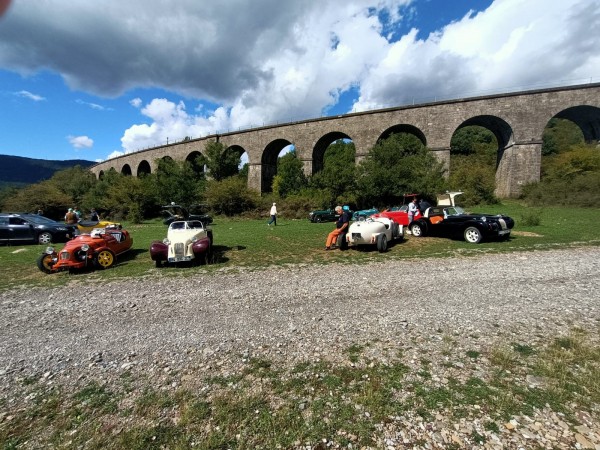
560 135
194 160
242 156
143 168
101 175
403 129
271 153
587 118
322 145
126 170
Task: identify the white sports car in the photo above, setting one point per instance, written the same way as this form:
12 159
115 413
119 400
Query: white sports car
374 231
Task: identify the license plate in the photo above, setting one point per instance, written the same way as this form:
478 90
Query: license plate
179 259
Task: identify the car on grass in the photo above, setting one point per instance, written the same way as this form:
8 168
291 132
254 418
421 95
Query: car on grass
33 229
186 241
378 232
323 215
364 213
174 212
398 214
98 249
453 222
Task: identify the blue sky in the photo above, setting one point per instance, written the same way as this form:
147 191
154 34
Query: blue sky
92 80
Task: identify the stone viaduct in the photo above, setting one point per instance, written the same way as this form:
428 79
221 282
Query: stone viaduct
517 120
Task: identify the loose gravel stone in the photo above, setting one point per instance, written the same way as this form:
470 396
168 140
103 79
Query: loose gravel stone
217 322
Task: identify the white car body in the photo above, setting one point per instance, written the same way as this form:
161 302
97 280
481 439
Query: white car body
181 237
374 231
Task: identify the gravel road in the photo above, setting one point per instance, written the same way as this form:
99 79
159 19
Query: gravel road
294 314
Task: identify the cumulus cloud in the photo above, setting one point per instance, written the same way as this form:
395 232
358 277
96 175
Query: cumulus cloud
30 96
266 61
79 142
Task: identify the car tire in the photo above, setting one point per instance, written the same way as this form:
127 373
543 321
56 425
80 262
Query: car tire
44 263
473 235
104 259
382 243
158 263
44 238
340 242
417 230
318 219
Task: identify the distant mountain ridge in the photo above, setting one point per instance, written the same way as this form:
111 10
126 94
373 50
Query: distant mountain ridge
18 171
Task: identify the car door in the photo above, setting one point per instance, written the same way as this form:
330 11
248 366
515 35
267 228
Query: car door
20 229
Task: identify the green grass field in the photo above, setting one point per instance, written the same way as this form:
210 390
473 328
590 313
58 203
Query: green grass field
253 244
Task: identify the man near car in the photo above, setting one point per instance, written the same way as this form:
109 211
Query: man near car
340 227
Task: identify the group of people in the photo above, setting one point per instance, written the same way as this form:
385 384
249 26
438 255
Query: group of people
74 215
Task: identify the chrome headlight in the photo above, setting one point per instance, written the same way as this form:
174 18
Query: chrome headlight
483 219
166 241
85 247
194 239
49 250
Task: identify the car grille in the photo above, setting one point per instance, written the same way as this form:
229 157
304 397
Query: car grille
502 223
178 248
64 255
356 236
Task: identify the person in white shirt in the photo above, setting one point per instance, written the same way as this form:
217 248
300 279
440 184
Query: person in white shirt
273 213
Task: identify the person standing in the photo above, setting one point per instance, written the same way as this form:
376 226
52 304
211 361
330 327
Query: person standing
413 209
340 227
70 217
94 215
273 213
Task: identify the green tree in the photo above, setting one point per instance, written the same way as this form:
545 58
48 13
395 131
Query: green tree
473 140
220 163
338 177
177 182
559 136
75 182
395 166
231 196
290 177
44 195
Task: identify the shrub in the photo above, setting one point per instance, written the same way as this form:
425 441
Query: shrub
531 218
231 196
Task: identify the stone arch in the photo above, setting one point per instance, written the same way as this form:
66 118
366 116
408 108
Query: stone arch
192 159
143 168
269 162
101 175
126 169
403 128
499 127
321 146
587 118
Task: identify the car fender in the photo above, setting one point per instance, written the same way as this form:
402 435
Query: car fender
159 251
201 246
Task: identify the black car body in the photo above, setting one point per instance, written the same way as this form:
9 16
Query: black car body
22 228
323 215
175 212
453 222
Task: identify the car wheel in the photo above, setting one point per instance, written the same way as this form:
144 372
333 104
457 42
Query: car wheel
339 241
158 263
381 243
104 259
473 235
45 263
44 238
417 230
318 219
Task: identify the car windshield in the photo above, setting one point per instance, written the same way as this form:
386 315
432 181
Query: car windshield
455 211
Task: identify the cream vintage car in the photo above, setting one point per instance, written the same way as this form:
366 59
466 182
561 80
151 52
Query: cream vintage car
379 232
186 241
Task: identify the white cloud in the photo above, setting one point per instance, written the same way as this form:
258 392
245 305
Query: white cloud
93 105
263 61
79 142
136 102
30 96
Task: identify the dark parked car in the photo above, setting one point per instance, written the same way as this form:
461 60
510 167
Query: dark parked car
17 227
453 222
323 215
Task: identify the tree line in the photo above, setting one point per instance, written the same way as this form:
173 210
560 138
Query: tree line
395 166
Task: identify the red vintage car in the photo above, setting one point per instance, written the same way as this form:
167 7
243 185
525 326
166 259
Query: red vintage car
98 249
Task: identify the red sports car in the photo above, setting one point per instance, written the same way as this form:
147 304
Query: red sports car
98 249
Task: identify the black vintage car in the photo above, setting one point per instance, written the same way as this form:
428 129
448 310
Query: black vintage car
32 228
175 212
323 215
453 222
